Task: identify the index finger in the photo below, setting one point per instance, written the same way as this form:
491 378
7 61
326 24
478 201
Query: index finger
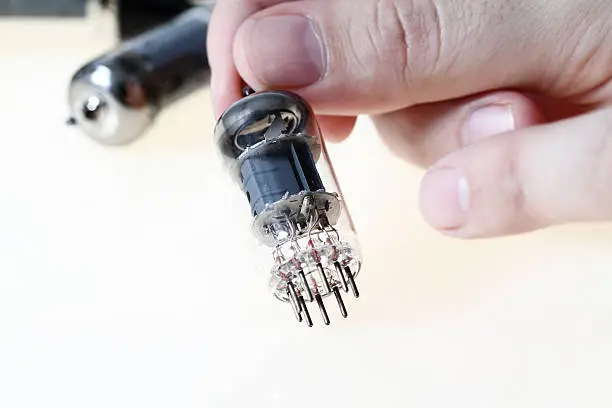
227 16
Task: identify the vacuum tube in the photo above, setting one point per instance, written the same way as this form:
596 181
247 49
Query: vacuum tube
271 145
115 98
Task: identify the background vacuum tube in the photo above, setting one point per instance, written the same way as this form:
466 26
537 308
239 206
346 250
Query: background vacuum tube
115 98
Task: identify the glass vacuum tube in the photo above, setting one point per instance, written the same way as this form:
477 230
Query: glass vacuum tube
271 144
115 98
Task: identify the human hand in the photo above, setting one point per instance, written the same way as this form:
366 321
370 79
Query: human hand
506 101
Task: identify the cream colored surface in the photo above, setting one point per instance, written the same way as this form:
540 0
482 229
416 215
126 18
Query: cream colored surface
126 278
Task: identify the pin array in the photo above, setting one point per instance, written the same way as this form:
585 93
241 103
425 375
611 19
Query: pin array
298 298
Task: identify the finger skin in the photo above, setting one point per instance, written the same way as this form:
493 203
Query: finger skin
335 129
533 178
426 133
226 18
386 55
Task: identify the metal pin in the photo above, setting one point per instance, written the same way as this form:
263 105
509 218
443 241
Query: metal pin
93 108
341 275
305 284
247 90
340 302
351 279
305 310
294 301
324 277
306 207
322 308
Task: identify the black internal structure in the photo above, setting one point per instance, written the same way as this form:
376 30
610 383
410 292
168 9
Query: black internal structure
280 168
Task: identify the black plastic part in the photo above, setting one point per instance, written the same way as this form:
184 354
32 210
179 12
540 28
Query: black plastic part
135 17
283 168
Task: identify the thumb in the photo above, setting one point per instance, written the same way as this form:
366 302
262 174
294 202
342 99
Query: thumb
349 57
524 180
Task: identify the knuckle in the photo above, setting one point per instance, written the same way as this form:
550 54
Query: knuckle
519 206
411 31
520 211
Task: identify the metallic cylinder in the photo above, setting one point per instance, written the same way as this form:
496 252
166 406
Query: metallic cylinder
115 98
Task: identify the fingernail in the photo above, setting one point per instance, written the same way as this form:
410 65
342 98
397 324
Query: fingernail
488 121
285 51
445 198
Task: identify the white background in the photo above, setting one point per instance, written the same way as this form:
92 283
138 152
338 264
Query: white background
126 280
